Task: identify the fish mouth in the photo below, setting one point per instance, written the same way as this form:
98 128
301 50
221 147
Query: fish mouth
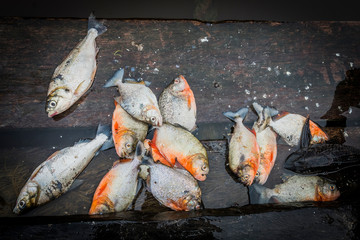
201 177
16 210
52 114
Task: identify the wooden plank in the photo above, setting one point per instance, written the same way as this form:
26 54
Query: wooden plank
287 222
294 66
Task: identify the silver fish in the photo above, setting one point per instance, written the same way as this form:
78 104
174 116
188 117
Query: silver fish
177 104
289 126
75 75
55 175
174 188
295 188
136 99
244 152
266 139
119 186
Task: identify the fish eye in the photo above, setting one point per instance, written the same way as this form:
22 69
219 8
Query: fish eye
257 174
52 104
203 167
22 204
332 187
153 119
176 80
128 145
246 177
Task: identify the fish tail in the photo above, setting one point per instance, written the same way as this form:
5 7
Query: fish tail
270 112
93 23
116 79
257 194
258 108
241 113
106 130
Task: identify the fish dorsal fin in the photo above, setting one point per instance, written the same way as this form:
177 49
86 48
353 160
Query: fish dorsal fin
53 155
305 137
134 81
285 176
280 115
77 183
117 100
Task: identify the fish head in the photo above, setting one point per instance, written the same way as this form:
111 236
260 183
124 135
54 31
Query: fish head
261 176
179 84
99 209
327 191
200 166
247 175
192 202
58 101
153 116
126 145
27 198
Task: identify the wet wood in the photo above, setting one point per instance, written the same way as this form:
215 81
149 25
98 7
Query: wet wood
301 67
294 66
287 222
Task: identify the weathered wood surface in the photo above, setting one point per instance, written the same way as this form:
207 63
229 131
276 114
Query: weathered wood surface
294 66
285 222
302 67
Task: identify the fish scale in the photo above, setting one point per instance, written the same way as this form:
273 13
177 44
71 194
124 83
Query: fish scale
75 75
54 176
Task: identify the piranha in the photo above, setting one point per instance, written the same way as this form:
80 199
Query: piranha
295 188
289 126
126 131
173 145
172 187
244 151
266 139
55 176
75 75
177 104
136 99
119 186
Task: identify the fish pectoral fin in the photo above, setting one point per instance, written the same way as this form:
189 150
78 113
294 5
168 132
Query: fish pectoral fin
174 205
156 154
77 90
274 199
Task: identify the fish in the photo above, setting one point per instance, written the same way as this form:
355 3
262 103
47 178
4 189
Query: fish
266 139
118 188
126 131
173 187
244 151
322 159
57 173
295 188
173 145
136 99
177 104
75 75
289 127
